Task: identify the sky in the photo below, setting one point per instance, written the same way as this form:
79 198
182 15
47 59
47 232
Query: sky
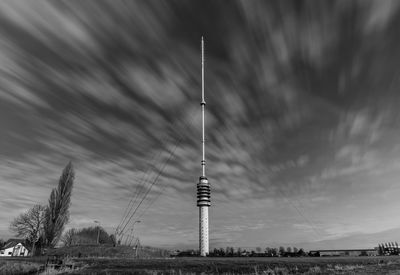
302 120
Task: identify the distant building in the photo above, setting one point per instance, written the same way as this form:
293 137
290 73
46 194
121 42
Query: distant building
14 248
344 252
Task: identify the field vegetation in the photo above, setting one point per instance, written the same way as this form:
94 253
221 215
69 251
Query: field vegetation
195 265
224 266
20 266
108 251
272 266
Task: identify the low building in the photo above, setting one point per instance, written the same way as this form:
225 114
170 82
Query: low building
344 252
14 248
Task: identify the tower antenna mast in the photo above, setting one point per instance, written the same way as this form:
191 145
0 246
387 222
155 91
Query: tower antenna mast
203 187
203 105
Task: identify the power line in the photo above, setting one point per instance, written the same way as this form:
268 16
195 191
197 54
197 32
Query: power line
152 184
147 179
138 191
156 197
186 125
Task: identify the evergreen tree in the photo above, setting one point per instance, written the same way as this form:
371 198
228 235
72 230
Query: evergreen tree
227 250
215 252
380 249
301 252
57 214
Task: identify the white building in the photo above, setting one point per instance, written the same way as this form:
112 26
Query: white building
14 248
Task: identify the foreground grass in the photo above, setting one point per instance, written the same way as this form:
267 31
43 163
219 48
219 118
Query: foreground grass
10 267
224 266
271 266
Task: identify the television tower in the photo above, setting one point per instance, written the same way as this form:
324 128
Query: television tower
203 187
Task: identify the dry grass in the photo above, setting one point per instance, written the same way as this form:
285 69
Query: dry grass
223 266
20 268
235 266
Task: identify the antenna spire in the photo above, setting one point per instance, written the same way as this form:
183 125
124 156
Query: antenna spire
203 104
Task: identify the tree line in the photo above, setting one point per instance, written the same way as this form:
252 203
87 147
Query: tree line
391 248
43 225
87 236
241 252
258 252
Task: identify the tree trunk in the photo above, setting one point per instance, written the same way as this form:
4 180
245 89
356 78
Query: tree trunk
33 249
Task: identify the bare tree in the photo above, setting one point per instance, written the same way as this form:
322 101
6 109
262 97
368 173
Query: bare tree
29 225
68 237
57 214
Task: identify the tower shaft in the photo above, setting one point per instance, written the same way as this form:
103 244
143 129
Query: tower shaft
203 231
203 187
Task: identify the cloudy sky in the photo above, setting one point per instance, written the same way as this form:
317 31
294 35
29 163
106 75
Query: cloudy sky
301 124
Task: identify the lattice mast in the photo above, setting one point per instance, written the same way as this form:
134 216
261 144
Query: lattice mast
203 187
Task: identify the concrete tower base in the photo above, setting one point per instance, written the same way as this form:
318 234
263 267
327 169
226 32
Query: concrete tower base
203 214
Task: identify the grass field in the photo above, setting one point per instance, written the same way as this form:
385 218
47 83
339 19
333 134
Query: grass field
339 265
19 266
272 266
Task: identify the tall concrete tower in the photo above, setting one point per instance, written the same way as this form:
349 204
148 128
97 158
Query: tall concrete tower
203 187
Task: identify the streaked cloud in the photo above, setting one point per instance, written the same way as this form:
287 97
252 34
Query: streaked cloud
301 115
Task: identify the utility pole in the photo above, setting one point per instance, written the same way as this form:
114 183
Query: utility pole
98 231
128 236
137 247
132 235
